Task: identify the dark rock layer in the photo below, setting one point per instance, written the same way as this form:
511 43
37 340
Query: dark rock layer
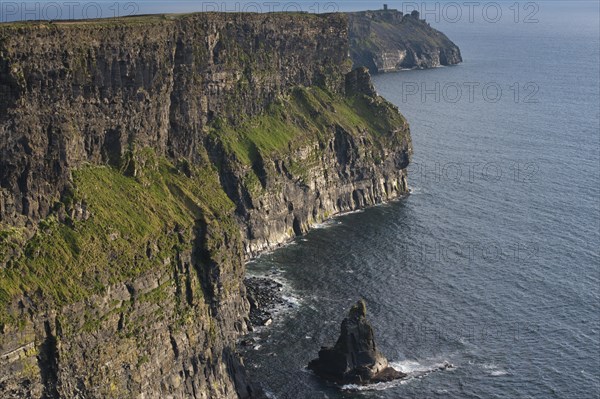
355 357
387 40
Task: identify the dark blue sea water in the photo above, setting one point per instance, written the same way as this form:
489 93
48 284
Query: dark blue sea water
492 263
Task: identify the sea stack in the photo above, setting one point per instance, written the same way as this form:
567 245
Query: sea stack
354 358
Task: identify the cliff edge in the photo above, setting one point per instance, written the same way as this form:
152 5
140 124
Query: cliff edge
388 40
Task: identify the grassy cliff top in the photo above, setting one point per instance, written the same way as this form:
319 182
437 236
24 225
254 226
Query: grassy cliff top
383 29
151 19
304 115
99 234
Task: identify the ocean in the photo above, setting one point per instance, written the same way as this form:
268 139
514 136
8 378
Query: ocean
492 263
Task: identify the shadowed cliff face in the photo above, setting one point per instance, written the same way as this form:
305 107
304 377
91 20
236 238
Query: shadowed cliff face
141 160
386 41
150 81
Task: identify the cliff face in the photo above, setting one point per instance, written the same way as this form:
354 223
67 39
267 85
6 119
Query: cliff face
387 40
340 154
151 81
141 160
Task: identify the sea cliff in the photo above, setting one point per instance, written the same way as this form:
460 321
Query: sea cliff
388 40
142 160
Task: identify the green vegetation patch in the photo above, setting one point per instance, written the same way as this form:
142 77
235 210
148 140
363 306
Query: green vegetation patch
108 243
306 114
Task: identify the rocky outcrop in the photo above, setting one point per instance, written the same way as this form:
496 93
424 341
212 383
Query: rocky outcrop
141 161
355 357
345 169
359 82
388 40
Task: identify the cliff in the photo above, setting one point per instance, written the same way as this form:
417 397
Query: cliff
142 160
387 40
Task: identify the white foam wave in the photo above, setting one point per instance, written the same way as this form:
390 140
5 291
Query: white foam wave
326 224
350 212
494 370
334 219
415 190
414 370
270 395
380 386
412 366
292 299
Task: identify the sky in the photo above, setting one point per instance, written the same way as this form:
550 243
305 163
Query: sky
434 11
